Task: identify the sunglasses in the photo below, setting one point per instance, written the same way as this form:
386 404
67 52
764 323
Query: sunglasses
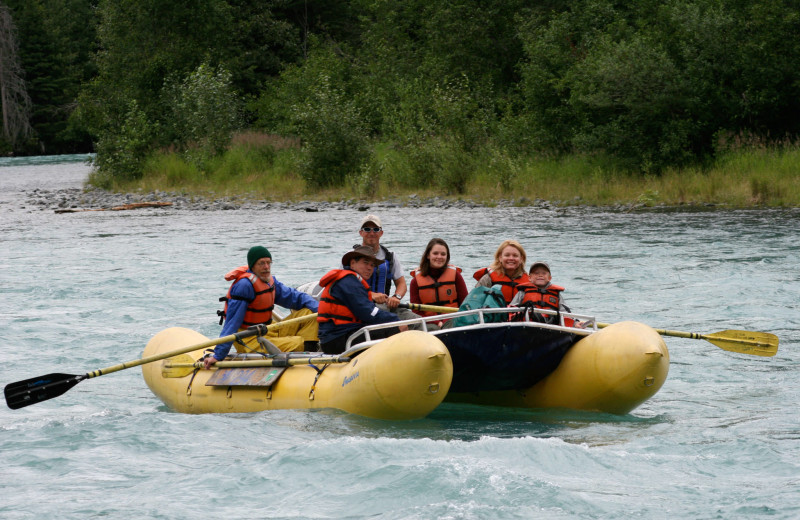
370 229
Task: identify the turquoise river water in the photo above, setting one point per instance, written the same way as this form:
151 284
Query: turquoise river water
82 291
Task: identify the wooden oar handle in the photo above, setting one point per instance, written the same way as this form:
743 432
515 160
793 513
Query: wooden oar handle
427 308
276 362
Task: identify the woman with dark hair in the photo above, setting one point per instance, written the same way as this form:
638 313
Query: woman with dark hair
436 281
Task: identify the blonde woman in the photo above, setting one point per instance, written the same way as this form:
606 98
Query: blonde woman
507 270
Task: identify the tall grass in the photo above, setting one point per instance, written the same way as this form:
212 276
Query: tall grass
268 167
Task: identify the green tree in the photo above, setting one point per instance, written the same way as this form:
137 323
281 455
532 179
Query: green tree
56 38
14 99
205 111
141 43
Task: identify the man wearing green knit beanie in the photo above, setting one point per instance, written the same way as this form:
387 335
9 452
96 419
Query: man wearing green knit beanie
256 253
250 301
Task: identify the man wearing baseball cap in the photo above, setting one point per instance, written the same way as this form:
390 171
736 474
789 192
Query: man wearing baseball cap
389 268
250 301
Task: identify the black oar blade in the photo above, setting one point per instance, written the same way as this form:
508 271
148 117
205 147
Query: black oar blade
38 389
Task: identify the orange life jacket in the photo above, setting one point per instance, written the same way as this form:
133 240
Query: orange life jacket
507 285
259 309
441 291
331 309
548 298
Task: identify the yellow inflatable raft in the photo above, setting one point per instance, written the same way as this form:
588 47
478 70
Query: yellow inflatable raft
612 370
405 376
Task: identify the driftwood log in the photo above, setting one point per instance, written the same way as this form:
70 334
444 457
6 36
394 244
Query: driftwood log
133 205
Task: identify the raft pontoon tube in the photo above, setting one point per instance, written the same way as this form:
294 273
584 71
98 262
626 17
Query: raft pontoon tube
405 376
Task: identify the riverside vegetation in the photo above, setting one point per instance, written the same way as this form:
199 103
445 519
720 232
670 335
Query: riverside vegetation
259 166
585 102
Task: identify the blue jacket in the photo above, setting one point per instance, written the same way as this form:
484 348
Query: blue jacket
351 292
284 296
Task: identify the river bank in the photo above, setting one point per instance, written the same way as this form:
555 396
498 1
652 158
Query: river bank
243 179
264 170
73 200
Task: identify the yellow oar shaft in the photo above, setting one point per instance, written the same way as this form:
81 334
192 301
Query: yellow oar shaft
242 334
741 341
322 360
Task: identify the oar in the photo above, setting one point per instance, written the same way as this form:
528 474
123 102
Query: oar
741 341
38 389
427 308
182 369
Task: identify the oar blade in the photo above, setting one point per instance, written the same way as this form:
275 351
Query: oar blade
185 366
745 342
38 389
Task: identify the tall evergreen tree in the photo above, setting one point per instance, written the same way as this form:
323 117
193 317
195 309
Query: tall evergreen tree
16 103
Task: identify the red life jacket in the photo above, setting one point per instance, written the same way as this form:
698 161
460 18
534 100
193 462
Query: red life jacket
441 291
259 309
507 285
331 309
548 298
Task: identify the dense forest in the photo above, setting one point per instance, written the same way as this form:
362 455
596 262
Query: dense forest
649 83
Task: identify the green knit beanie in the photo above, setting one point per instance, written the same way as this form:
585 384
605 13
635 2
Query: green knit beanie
256 253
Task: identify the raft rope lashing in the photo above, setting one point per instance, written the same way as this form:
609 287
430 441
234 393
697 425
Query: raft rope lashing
191 380
316 378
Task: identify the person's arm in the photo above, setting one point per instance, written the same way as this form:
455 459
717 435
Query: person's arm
234 316
561 305
400 290
400 287
355 297
293 299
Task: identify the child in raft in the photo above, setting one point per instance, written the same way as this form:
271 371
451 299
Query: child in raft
541 293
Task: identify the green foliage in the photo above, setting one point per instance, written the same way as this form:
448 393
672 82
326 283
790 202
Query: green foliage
204 112
629 103
56 38
121 153
652 83
439 162
451 84
335 140
322 70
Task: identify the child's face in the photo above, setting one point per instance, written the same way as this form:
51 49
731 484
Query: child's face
540 276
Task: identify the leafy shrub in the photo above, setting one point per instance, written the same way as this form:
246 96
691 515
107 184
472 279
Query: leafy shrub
122 150
205 112
335 140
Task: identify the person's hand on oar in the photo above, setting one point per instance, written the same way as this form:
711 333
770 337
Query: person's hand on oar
209 361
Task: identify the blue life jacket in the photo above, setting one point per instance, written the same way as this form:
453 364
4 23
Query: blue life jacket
381 279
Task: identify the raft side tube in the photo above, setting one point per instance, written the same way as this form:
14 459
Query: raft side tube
613 370
403 377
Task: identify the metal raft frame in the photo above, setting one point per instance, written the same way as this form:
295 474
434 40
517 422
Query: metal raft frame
421 323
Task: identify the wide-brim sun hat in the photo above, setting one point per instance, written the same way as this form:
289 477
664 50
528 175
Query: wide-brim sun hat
360 251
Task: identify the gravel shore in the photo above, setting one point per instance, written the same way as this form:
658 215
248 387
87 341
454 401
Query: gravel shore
76 199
